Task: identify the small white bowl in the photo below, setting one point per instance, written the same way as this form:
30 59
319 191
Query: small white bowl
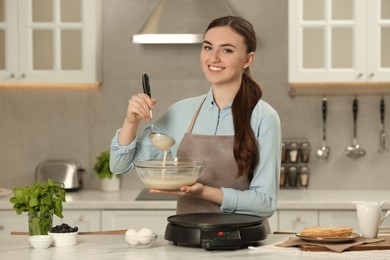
40 242
141 241
64 239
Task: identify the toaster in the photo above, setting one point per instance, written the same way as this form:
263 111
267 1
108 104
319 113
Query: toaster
63 171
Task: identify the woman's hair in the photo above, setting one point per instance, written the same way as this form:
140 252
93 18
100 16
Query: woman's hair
245 149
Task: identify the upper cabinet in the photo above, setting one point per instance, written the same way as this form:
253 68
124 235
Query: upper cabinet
50 41
339 41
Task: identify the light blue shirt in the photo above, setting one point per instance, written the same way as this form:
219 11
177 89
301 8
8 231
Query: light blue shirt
261 198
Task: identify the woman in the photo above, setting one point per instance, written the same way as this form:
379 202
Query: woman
231 128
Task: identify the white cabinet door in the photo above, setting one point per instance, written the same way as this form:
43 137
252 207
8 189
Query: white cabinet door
296 220
339 41
10 221
378 40
273 222
156 220
85 220
332 218
50 42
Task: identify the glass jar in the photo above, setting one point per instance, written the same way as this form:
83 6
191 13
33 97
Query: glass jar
284 152
282 182
292 176
305 152
304 174
39 223
293 150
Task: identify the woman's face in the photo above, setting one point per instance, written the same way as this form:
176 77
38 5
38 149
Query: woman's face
224 56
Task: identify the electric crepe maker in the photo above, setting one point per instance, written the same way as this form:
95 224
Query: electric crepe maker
215 231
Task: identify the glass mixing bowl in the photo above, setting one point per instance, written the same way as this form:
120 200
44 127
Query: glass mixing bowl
170 174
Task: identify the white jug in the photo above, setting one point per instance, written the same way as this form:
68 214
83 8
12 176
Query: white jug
370 217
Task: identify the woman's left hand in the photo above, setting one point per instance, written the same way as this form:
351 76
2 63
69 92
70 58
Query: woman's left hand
192 190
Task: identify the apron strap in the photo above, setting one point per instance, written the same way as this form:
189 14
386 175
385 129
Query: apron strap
191 126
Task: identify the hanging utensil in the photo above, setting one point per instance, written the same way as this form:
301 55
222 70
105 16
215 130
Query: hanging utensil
382 134
324 150
160 140
355 151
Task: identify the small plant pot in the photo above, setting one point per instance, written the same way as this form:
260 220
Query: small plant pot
39 223
111 185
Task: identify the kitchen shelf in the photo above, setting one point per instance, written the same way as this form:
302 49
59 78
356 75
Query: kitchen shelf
339 89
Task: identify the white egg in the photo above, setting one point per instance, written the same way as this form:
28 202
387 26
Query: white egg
131 232
133 241
131 237
144 236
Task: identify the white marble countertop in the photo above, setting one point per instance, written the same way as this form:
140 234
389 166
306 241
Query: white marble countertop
288 200
93 247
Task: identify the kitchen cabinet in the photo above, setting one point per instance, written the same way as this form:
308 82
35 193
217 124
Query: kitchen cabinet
10 221
50 42
273 221
296 220
339 218
332 41
85 220
155 220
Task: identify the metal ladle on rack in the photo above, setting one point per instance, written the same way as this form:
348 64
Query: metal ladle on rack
355 151
160 140
324 150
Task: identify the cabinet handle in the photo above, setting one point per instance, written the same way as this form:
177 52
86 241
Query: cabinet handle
12 75
371 75
23 76
1 227
81 218
360 75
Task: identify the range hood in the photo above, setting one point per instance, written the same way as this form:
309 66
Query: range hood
180 21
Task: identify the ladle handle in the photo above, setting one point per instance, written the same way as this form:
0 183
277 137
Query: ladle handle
324 115
355 109
324 109
146 84
382 110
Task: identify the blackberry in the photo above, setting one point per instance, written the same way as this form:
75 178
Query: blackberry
63 228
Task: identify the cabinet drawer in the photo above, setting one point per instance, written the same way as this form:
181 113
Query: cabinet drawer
85 220
296 220
155 220
10 221
333 218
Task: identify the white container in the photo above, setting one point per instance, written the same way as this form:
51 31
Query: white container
111 185
40 242
64 239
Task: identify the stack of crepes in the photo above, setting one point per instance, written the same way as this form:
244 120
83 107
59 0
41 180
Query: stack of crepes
327 232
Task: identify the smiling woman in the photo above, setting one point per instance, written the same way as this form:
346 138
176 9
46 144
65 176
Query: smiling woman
230 128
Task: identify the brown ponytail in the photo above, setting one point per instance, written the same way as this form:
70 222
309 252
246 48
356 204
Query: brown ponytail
245 150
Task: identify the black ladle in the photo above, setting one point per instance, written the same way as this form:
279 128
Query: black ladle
160 140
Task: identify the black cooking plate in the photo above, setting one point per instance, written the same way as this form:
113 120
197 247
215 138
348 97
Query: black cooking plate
214 220
215 230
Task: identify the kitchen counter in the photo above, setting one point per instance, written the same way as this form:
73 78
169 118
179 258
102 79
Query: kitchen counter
288 200
114 247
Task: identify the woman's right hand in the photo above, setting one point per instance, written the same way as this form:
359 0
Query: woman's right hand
138 108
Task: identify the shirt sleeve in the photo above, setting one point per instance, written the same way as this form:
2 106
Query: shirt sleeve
261 198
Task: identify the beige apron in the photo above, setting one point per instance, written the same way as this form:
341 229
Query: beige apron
220 169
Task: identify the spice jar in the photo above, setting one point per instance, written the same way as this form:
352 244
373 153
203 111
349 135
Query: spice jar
304 174
284 152
305 152
282 181
292 176
293 150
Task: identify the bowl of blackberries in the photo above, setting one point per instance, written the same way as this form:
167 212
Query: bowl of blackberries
64 235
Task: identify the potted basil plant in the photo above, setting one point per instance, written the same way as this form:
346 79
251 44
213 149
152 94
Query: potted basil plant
41 201
109 181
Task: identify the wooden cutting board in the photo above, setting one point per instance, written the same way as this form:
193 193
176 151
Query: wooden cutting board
384 245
